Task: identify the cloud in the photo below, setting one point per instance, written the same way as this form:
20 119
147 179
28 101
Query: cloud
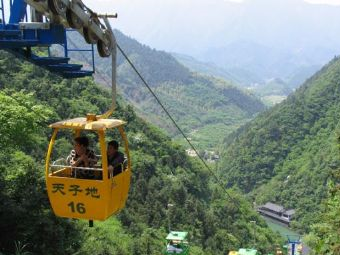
327 2
235 1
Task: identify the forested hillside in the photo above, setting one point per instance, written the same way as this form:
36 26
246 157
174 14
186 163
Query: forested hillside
324 237
30 99
207 108
286 154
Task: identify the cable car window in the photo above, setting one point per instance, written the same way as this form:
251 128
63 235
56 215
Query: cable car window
116 155
61 149
76 155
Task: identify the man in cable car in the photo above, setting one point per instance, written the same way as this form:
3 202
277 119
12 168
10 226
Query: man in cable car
81 159
115 158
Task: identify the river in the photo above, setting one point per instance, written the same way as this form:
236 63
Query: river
277 227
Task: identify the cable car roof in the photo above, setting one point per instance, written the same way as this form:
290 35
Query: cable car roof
175 235
83 123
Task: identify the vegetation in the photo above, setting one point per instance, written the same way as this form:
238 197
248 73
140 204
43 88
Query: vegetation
273 87
273 100
286 155
324 235
238 76
31 98
197 102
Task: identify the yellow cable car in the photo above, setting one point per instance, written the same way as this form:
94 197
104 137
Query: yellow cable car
92 199
74 195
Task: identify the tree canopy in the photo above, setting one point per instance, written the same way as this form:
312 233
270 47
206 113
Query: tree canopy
287 153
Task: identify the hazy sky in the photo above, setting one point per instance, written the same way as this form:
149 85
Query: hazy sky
329 2
134 14
107 4
169 24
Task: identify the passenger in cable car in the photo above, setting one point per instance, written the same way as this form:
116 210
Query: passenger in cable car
81 158
115 158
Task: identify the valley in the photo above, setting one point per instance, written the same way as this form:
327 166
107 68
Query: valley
206 108
257 95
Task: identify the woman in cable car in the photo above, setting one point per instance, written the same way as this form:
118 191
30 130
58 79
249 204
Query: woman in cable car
83 187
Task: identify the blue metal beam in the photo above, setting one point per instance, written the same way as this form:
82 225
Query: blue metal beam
20 38
18 11
2 12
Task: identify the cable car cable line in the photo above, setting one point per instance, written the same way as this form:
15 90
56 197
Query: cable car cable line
222 185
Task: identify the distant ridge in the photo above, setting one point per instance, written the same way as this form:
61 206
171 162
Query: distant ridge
207 108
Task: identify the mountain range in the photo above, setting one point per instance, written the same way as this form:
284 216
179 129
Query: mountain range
263 39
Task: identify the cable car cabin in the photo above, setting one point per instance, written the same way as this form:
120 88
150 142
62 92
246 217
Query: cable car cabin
244 252
247 252
99 193
176 243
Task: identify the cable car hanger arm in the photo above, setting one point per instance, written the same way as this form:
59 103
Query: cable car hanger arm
114 72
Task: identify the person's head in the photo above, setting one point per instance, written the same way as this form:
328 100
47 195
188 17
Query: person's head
80 144
112 148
